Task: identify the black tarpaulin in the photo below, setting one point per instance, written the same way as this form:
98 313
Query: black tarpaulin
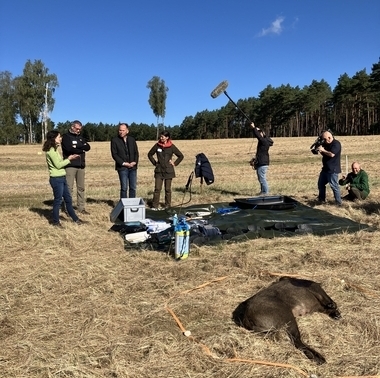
262 217
239 220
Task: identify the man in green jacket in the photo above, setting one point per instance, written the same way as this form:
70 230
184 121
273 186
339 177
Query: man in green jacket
356 183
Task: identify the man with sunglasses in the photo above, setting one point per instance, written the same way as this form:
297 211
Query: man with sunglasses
74 143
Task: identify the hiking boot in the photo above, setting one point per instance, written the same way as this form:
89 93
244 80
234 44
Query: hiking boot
79 222
57 224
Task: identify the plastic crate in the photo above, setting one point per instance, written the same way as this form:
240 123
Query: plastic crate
128 210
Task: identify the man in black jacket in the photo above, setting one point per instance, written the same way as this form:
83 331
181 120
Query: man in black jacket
74 143
126 155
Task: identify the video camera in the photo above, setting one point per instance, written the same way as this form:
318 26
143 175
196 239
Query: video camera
318 142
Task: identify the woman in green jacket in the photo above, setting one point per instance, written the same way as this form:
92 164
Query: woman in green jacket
57 173
164 172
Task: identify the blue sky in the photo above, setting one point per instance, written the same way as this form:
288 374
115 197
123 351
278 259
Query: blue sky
105 52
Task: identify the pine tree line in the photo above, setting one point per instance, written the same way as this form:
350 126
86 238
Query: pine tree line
351 108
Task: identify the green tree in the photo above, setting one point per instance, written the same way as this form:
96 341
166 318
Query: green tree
362 96
143 131
267 104
157 99
30 93
299 102
9 131
343 104
375 91
188 129
284 110
318 95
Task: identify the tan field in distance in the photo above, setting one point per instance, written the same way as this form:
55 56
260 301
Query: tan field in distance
74 303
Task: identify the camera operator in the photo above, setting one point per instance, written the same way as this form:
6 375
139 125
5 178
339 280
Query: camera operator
330 151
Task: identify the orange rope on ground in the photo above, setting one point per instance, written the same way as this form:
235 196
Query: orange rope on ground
204 285
205 348
181 327
196 288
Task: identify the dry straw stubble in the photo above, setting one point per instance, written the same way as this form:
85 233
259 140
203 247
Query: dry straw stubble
74 303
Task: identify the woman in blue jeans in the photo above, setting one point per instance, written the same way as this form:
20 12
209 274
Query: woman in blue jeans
262 158
57 172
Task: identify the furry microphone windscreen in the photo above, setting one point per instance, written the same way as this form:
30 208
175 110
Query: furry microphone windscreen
219 89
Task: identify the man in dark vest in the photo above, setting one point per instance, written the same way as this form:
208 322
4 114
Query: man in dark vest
74 143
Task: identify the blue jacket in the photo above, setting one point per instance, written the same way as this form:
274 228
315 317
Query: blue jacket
203 169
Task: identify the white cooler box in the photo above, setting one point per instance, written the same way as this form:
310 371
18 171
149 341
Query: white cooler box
128 210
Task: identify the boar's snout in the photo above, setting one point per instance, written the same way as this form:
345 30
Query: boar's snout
335 314
332 311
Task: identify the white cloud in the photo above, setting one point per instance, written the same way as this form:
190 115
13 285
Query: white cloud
275 28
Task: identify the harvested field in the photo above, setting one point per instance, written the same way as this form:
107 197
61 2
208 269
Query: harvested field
74 303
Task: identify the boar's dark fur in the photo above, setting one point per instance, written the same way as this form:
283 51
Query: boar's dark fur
278 305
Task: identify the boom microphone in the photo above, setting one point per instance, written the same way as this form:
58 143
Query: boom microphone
219 89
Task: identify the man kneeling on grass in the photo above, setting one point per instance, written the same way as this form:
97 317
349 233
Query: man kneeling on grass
356 183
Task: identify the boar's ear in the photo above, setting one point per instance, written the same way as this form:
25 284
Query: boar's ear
320 295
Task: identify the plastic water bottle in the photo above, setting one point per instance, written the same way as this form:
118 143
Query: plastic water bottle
175 220
182 240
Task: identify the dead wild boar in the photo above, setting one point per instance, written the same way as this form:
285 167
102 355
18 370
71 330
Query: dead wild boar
278 305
